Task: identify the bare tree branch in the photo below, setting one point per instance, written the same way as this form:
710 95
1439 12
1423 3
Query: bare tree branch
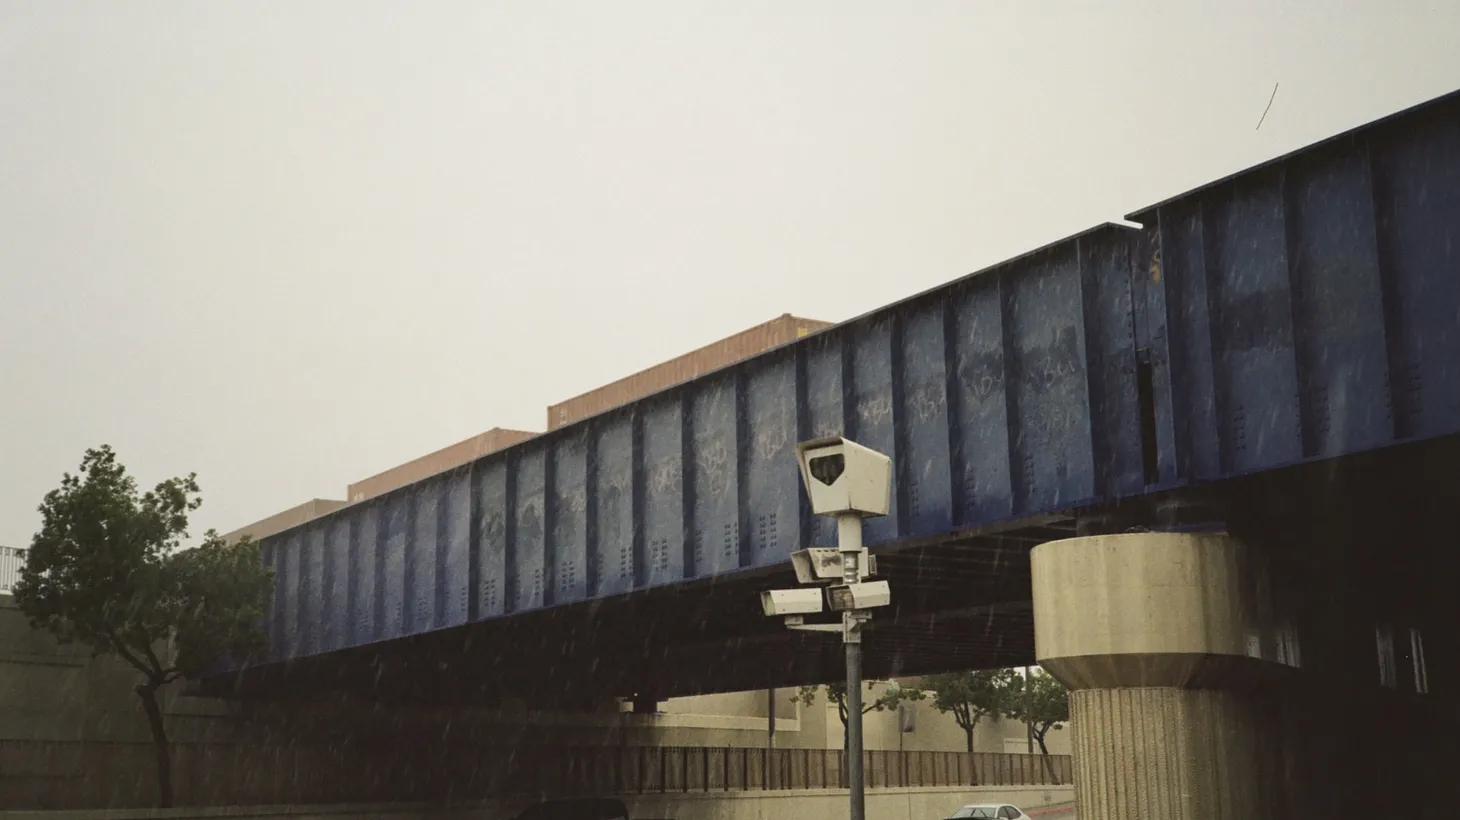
127 654
1268 108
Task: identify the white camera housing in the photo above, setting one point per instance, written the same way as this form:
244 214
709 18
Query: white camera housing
826 565
842 477
866 595
791 601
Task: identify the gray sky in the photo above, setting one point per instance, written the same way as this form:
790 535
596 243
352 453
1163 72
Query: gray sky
290 244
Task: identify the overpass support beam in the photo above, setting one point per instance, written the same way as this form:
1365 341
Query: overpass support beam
1167 642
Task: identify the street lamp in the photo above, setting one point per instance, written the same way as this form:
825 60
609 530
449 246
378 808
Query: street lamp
849 482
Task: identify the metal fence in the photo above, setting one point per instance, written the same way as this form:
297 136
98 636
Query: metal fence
37 774
668 769
11 560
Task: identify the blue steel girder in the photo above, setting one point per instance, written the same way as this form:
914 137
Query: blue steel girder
1304 309
1308 308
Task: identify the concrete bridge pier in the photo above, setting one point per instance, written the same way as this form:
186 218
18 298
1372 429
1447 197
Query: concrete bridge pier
1173 651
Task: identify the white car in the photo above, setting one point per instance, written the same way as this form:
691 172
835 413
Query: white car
988 811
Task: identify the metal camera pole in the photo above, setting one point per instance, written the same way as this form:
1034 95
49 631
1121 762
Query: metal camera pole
849 542
845 480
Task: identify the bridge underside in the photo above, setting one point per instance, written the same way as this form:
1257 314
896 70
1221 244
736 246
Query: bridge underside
1376 530
959 604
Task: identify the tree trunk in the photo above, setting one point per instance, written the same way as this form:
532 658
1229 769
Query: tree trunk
1044 758
965 722
972 765
148 693
841 712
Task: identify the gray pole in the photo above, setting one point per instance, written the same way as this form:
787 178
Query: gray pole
854 730
849 542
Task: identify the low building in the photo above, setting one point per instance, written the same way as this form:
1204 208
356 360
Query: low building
440 461
723 353
11 560
292 517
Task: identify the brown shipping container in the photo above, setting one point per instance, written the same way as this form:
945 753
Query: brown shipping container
727 351
278 522
432 463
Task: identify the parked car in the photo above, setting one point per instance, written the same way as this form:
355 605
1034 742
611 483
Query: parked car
989 811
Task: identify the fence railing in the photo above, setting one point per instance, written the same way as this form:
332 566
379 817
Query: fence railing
11 560
121 774
668 769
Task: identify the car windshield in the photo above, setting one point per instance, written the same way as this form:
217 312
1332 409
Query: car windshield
977 812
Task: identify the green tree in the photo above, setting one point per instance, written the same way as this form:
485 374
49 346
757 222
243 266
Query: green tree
971 696
890 698
1048 707
108 570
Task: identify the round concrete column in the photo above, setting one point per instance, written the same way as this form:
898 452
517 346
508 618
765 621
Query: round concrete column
1164 640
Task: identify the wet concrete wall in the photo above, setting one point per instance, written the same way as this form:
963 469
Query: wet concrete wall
888 804
73 736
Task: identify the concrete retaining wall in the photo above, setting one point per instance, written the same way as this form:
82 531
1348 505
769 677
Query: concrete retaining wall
883 804
73 736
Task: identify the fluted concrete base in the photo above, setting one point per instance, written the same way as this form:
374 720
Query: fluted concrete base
1166 641
1171 754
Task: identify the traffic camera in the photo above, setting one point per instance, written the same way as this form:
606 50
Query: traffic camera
827 565
866 595
844 478
777 602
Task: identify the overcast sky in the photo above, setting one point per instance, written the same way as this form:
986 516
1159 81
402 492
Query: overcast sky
290 244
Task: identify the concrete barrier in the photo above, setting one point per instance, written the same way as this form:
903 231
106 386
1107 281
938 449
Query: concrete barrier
830 804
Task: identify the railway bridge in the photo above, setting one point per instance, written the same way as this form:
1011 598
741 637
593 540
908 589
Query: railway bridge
1203 467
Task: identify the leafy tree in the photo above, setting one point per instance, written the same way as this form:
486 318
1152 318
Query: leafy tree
971 696
1048 707
107 570
836 693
